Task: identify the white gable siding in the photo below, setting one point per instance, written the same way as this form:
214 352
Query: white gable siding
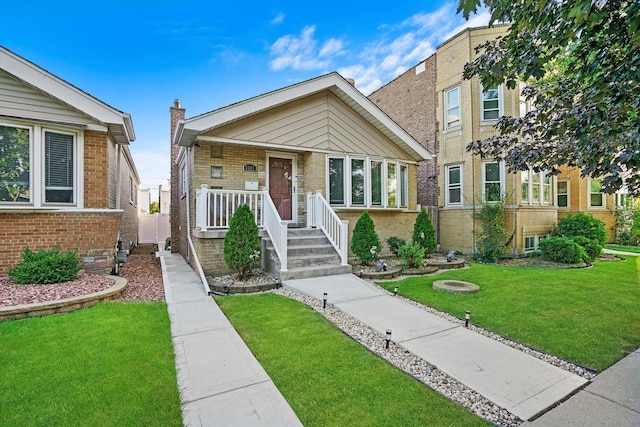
321 121
22 101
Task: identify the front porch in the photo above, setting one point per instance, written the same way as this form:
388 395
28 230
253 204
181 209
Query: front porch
314 245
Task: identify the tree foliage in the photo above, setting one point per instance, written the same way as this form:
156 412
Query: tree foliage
365 243
581 60
242 242
424 235
154 207
14 163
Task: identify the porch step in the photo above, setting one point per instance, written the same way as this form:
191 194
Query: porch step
309 254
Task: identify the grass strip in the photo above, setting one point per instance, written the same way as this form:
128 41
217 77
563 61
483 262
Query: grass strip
329 379
589 316
108 365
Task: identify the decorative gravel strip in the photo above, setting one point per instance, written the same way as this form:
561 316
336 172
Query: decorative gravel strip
409 363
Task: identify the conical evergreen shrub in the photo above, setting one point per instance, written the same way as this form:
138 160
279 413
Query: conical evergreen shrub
242 243
365 243
423 232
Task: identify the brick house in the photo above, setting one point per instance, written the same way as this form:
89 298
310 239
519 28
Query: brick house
462 111
67 177
311 156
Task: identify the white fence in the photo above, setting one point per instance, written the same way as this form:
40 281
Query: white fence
321 215
153 228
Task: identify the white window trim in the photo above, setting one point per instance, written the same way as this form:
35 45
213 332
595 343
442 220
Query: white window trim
447 183
346 179
446 109
541 185
367 182
37 165
500 105
403 182
183 180
557 194
604 197
502 180
537 238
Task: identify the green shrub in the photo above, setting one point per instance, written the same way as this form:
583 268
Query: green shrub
562 249
423 232
582 224
591 247
493 238
395 243
627 229
412 255
44 267
242 243
365 243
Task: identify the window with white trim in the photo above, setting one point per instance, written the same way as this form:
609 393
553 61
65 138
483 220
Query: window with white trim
535 188
492 181
563 194
454 185
183 180
491 104
452 108
364 182
525 105
596 197
531 242
40 166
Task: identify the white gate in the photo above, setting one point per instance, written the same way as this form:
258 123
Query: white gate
153 228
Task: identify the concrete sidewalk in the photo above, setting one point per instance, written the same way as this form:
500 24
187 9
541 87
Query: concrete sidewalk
522 384
612 399
220 381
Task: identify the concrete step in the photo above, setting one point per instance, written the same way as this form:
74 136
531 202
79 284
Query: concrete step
315 259
314 271
310 250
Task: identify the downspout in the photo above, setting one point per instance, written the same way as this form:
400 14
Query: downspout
196 260
118 176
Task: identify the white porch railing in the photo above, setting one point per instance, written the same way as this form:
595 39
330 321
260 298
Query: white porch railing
321 215
215 208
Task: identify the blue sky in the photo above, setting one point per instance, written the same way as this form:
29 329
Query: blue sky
139 55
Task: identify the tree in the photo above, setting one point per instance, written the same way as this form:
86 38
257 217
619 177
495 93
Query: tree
365 243
424 235
154 207
242 242
581 60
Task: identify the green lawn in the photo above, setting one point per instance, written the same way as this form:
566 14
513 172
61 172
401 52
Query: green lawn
589 316
329 379
109 365
634 249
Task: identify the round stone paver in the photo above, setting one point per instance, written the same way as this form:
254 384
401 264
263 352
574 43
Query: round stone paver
456 286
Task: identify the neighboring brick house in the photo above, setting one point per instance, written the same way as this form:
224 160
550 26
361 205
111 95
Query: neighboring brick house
286 148
465 112
67 177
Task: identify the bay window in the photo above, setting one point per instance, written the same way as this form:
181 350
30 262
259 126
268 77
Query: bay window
535 187
39 166
365 182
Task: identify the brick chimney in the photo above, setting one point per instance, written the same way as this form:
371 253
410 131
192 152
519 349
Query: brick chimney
176 114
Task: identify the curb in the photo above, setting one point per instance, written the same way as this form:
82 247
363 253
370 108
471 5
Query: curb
65 305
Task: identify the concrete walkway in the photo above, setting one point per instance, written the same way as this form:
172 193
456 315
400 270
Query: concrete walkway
220 381
612 399
522 384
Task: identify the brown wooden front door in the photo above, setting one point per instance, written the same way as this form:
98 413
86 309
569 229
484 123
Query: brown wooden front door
281 185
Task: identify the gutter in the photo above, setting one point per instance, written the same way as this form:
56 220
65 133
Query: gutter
196 260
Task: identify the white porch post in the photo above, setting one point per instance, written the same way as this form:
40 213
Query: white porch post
202 202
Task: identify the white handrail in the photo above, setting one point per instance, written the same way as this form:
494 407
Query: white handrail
276 228
321 215
215 208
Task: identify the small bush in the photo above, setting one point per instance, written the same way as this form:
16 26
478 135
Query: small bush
44 267
582 224
365 243
242 243
562 249
412 255
395 243
591 247
423 232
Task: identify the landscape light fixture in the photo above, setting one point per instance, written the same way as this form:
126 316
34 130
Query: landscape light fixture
467 316
324 300
388 339
395 291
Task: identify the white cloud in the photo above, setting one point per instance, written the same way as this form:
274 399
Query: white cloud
479 20
332 47
278 19
152 166
299 52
